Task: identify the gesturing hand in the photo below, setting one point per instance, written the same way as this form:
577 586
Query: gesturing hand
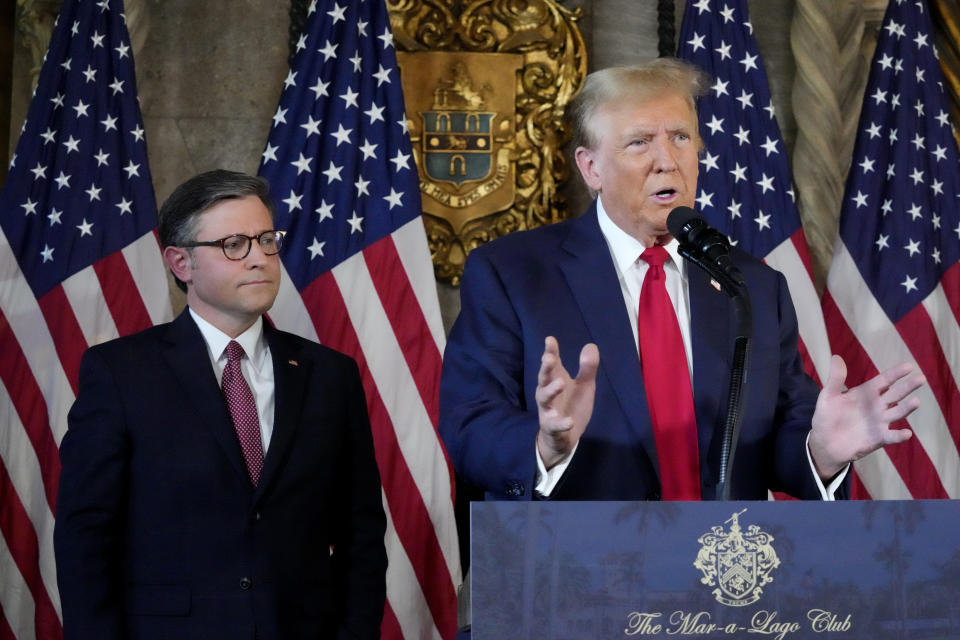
564 404
848 425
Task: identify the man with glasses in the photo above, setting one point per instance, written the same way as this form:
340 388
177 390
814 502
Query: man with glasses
218 476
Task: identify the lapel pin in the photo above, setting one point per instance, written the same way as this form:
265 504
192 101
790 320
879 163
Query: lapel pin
715 284
297 364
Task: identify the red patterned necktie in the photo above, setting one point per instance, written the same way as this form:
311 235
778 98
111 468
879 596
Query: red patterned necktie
667 382
243 410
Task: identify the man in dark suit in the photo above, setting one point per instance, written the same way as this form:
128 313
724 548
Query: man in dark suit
635 424
218 475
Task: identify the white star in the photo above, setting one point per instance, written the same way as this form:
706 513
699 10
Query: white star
387 38
311 8
921 40
355 223
125 206
350 98
937 187
66 64
739 173
101 158
915 211
90 74
93 192
935 254
85 228
75 29
29 207
702 5
748 62
383 75
280 117
316 249
404 124
302 164
137 133
400 160
910 284
710 161
333 173
122 51
763 221
104 5
745 99
887 206
117 86
62 180
742 135
891 28
943 118
320 89
879 96
368 150
918 142
715 124
329 50
110 122
874 130
357 62
893 136
394 198
362 27
39 171
913 247
81 108
342 135
882 242
54 216
132 170
72 145
770 146
374 113
734 209
860 199
920 74
48 135
895 101
935 219
311 126
720 88
291 80
337 14
47 253
324 211
705 200
723 50
940 153
917 176
957 230
867 165
302 42
292 201
361 186
886 61
270 153
918 107
696 42
765 183
891 170
727 14
57 100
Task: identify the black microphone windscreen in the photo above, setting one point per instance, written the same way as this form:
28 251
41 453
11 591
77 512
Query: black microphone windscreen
679 217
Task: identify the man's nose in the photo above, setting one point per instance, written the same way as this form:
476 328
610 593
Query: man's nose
664 158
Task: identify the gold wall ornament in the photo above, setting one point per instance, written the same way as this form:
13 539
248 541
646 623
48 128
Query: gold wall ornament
485 85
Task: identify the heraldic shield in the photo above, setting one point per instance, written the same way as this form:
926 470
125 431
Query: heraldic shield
737 563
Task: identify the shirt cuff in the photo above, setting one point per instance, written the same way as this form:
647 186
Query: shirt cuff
547 480
829 491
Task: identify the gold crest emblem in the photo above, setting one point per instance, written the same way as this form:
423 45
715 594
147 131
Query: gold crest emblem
737 563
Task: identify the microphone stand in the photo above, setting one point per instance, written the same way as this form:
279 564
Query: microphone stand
743 330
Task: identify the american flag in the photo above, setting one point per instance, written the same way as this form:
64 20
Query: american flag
745 189
893 291
360 280
79 264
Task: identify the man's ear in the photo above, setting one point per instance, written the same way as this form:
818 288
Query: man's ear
178 259
587 166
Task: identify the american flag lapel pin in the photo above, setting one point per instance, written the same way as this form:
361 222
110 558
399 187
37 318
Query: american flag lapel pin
715 284
293 362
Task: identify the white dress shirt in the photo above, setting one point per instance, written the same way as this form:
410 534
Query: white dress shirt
256 365
631 269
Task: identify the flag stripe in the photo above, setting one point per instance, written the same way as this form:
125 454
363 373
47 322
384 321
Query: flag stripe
27 400
148 271
6 633
68 338
89 306
16 604
407 321
121 294
410 241
336 328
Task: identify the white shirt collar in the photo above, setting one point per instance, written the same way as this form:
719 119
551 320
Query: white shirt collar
252 340
626 249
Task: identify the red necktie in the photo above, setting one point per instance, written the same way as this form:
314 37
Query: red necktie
667 382
243 410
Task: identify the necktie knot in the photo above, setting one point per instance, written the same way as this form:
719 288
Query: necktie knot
234 351
655 256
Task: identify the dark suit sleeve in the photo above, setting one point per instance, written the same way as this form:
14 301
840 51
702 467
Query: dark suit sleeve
486 425
91 503
359 558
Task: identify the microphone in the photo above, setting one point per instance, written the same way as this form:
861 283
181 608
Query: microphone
712 248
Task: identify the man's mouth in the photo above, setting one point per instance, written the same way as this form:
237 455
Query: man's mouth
665 195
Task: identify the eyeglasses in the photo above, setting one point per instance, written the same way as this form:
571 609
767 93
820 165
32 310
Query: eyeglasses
237 246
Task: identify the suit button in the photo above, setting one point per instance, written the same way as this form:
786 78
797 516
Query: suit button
514 489
245 583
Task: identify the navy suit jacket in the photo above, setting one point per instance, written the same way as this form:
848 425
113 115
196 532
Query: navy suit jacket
560 280
159 533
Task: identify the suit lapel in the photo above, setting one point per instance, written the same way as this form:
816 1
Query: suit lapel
185 352
290 374
592 278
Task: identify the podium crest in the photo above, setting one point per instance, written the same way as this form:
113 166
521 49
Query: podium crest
738 563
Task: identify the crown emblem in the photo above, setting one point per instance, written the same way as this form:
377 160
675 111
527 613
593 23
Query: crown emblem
738 563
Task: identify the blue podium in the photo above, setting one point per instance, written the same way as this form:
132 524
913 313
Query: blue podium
779 570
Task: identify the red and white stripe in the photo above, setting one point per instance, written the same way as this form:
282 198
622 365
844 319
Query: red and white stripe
380 307
41 341
927 465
